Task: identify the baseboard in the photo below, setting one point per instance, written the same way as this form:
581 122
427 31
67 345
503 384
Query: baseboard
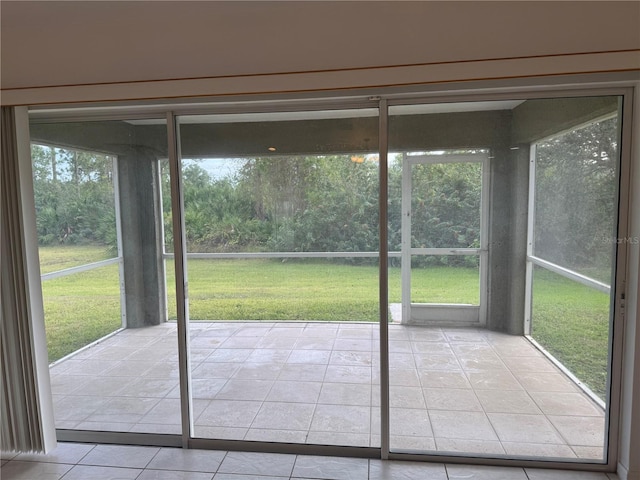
625 474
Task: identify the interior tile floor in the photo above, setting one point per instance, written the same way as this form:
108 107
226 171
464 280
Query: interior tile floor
115 462
452 389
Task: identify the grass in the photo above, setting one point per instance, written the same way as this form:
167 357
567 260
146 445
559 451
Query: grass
60 257
80 308
570 320
264 289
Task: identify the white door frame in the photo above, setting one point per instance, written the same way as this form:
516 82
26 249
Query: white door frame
443 313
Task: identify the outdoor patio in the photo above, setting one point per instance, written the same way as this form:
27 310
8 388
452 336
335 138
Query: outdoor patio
452 389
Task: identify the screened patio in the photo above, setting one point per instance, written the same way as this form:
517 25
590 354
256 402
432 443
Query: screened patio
251 273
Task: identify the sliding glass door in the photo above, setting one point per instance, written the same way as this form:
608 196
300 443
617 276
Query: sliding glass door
571 258
502 231
281 219
113 351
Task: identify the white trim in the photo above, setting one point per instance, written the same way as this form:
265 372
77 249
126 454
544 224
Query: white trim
405 236
181 278
570 274
479 318
443 76
528 300
116 194
81 268
383 276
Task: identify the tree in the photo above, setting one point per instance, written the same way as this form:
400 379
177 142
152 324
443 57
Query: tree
575 211
74 196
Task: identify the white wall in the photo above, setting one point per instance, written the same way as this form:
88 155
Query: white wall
110 44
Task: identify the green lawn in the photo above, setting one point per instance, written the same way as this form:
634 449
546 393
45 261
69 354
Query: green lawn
569 320
61 257
265 289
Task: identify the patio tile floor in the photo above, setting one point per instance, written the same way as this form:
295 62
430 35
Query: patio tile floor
452 389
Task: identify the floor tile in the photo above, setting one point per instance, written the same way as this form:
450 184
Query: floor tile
565 403
400 470
249 463
281 416
507 401
544 474
229 355
314 343
302 372
70 453
156 428
409 422
236 389
229 413
258 371
410 443
338 438
345 394
275 435
119 456
84 472
493 380
582 431
549 382
444 379
403 397
341 418
348 374
404 377
310 357
402 361
463 425
588 452
429 361
16 470
187 460
248 391
351 358
294 392
476 472
515 427
173 475
548 450
64 384
231 476
335 468
452 399
222 433
459 445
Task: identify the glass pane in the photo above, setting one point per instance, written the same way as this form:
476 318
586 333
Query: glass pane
576 198
571 321
114 352
489 390
445 279
445 205
281 214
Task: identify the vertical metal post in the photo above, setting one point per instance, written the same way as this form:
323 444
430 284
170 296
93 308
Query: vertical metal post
383 138
405 228
528 294
182 290
116 193
483 257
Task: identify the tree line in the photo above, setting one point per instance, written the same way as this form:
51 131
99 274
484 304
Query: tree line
329 203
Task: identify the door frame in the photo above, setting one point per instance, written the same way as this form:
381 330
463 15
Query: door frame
445 314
